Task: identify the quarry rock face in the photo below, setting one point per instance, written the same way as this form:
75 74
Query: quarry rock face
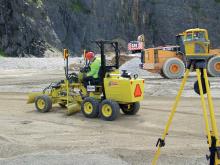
32 27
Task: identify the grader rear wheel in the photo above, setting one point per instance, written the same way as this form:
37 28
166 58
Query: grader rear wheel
43 103
173 68
213 66
109 110
130 109
90 107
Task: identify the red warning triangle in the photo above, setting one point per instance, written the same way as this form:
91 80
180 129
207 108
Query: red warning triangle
137 92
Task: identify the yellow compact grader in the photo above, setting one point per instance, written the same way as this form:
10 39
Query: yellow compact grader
111 92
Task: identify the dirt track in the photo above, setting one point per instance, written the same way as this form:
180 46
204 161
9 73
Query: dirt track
58 139
28 137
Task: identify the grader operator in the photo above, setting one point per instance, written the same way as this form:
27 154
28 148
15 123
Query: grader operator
94 64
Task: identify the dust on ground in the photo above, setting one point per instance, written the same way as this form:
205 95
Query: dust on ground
19 75
28 137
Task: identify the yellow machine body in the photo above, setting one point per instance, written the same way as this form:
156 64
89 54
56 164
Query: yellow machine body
196 43
105 95
124 90
190 44
56 93
154 58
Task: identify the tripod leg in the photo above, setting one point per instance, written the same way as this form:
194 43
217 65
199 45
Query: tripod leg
205 115
211 107
161 142
215 146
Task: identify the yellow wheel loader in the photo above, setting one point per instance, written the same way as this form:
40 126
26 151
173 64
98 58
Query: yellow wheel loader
103 97
170 61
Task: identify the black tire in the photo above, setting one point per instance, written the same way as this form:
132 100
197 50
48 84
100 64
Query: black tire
43 103
90 107
213 67
130 109
173 62
162 74
196 86
112 108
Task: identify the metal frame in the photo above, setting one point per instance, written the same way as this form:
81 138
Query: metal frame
101 44
212 135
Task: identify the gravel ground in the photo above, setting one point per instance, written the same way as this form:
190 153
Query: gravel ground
28 137
35 63
56 158
24 71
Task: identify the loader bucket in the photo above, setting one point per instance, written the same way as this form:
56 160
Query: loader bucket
73 108
32 96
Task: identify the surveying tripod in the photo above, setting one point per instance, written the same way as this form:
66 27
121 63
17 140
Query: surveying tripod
201 87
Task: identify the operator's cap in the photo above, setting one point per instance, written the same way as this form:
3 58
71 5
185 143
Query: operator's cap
89 55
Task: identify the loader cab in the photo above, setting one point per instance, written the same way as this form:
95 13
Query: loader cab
196 43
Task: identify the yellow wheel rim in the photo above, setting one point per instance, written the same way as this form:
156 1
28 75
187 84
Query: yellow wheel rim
88 108
41 104
106 110
217 66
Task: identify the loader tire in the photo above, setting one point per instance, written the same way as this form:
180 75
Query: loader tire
130 109
90 107
213 67
109 110
43 103
173 68
162 74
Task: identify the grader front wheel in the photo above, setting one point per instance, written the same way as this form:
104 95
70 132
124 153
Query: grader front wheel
130 109
90 107
109 110
43 103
